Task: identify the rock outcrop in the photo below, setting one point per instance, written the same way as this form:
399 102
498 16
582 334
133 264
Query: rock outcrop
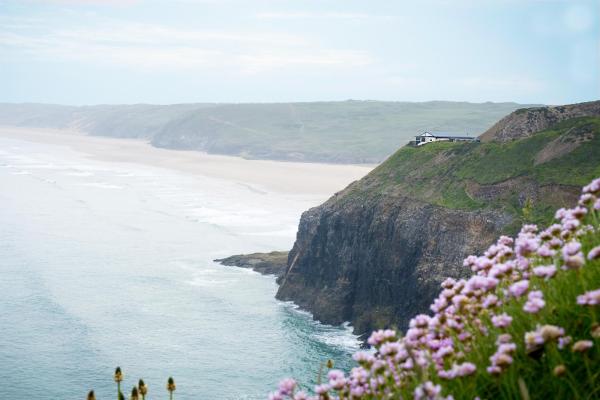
273 263
527 121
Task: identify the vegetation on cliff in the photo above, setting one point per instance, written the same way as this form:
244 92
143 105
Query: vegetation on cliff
456 175
525 325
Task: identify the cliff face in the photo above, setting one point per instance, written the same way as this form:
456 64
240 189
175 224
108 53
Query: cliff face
527 121
375 253
379 262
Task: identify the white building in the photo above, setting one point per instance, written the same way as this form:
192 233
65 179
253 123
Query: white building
428 137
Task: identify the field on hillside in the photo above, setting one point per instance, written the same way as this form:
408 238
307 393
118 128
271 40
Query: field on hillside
338 132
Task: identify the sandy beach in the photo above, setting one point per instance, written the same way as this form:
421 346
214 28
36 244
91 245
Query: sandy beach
284 177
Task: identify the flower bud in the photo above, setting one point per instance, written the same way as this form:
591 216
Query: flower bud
171 384
142 387
560 370
118 375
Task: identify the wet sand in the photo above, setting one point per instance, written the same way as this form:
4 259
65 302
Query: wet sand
279 176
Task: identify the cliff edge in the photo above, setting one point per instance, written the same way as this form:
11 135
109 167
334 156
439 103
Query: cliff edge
375 253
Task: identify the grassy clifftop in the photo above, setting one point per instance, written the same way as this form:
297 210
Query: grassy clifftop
493 175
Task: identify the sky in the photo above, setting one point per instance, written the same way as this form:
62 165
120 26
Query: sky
181 51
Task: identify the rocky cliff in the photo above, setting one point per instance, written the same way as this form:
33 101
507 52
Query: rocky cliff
375 253
527 121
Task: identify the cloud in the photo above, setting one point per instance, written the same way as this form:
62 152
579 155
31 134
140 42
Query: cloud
517 84
157 46
118 3
578 18
405 82
325 15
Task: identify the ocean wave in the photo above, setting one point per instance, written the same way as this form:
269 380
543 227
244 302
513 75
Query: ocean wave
340 336
102 185
80 173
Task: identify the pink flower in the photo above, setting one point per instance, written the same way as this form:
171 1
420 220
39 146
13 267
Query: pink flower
390 348
543 334
530 228
526 246
505 240
545 271
363 357
501 321
594 253
500 270
301 396
427 391
535 302
591 298
477 282
286 386
503 338
465 369
564 342
490 301
518 289
572 255
571 248
574 262
336 379
593 187
380 336
322 389
546 251
582 345
494 370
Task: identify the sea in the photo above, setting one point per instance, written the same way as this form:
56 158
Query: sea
106 264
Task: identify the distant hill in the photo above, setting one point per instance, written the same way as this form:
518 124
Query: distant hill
375 253
336 132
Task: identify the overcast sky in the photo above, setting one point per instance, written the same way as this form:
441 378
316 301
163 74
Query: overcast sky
175 51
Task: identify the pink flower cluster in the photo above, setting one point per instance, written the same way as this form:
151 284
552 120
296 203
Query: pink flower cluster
591 298
502 358
437 346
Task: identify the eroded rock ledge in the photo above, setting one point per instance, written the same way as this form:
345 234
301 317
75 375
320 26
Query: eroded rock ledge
273 263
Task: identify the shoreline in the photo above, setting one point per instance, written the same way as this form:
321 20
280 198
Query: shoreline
288 177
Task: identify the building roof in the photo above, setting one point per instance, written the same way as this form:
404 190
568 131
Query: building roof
446 136
454 137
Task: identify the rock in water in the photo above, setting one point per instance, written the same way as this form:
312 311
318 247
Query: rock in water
273 263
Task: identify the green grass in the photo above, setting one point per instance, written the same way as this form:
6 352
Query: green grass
444 173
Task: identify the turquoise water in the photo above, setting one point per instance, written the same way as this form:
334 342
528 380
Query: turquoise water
107 264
